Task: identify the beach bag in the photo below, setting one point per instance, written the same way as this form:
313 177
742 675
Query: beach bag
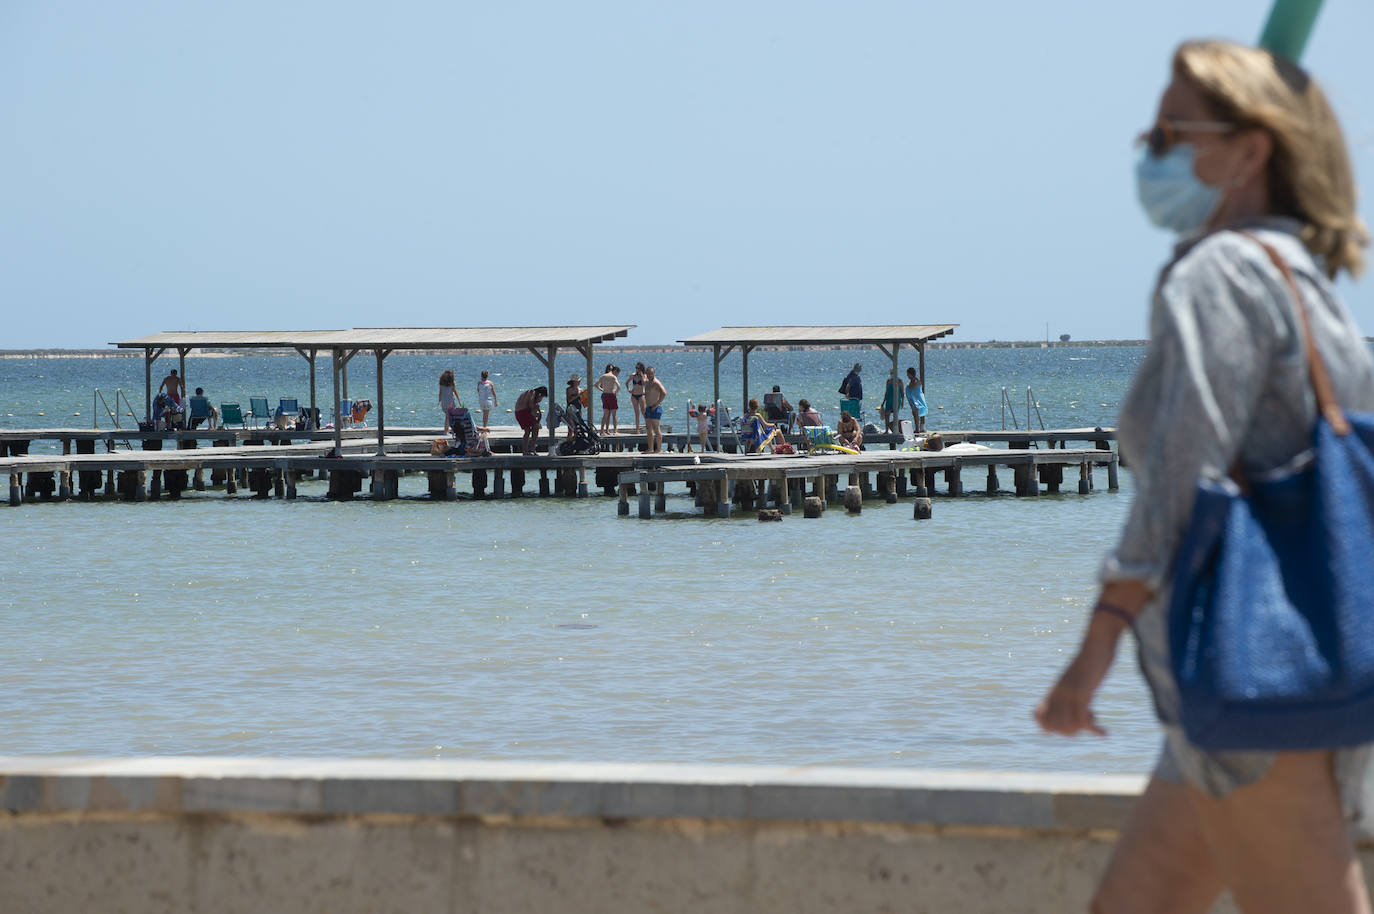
1271 617
438 447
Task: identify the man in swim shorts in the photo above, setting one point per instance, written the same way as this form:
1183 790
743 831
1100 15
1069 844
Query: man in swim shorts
609 385
654 395
527 414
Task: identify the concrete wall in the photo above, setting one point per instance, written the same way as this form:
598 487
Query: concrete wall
229 835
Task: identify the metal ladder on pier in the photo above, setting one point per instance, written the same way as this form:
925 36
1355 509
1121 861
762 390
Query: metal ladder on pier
119 398
1008 409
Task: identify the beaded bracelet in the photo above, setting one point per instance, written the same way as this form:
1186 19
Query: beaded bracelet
1112 610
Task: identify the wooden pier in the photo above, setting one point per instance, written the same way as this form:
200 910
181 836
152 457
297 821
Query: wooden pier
269 462
782 483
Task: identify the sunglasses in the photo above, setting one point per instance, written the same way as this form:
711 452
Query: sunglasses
1162 137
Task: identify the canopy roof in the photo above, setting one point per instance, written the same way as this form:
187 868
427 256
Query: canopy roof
381 338
820 336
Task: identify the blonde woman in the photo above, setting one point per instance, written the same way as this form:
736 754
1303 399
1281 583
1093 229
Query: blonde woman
1243 141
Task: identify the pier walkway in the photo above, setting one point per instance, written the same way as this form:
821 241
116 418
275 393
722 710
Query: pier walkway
273 463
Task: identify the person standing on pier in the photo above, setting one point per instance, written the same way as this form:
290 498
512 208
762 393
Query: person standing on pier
174 386
527 413
448 399
1243 141
917 398
852 391
637 393
891 410
609 385
486 398
654 395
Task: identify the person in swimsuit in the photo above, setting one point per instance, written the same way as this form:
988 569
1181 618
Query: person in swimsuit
807 415
704 426
174 386
654 395
486 398
637 393
527 413
609 385
892 402
849 433
917 398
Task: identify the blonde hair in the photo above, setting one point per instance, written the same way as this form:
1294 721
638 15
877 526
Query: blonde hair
1309 177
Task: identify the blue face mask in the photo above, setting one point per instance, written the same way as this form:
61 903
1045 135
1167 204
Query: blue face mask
1170 193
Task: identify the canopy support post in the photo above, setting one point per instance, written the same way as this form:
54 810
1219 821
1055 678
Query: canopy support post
381 403
591 405
150 355
336 363
309 356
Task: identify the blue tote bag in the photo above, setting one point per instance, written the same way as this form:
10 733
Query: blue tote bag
1271 619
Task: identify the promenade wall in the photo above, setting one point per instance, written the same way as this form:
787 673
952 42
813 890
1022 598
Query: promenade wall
217 835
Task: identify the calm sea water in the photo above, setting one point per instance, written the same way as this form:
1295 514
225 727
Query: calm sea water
554 629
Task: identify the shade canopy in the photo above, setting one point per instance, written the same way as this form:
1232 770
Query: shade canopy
886 334
381 338
342 345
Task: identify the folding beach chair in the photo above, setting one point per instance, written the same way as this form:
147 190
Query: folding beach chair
231 412
199 411
773 409
260 411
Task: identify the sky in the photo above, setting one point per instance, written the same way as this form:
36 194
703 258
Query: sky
192 165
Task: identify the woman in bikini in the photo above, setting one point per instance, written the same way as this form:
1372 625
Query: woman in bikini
637 393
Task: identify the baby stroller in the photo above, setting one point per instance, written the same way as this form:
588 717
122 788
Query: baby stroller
584 441
471 442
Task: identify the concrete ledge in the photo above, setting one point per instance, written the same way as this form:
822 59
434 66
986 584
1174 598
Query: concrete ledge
571 790
212 835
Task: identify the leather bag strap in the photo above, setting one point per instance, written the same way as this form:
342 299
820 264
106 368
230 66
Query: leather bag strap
1327 403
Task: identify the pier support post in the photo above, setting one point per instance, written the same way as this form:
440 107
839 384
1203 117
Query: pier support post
582 482
832 484
797 493
622 508
784 497
16 490
993 482
230 482
290 483
660 496
1052 476
176 482
141 485
918 483
644 513
111 488
544 484
921 509
929 484
812 506
88 481
517 483
865 486
954 481
853 499
901 481
278 483
64 485
154 490
498 488
1111 474
479 484
1085 478
887 485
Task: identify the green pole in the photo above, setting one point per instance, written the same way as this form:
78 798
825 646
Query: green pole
1289 26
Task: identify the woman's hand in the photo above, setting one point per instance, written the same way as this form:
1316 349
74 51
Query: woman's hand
1067 709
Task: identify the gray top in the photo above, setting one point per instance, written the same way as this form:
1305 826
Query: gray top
1225 378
